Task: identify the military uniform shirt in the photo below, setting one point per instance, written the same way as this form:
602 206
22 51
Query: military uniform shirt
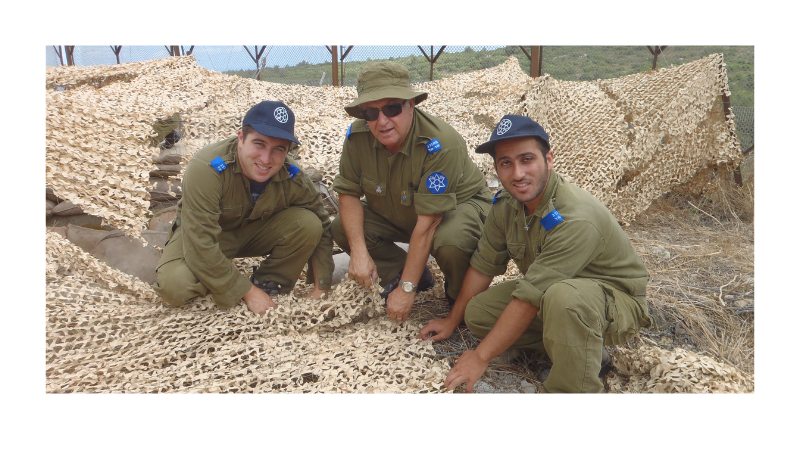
413 181
213 202
588 243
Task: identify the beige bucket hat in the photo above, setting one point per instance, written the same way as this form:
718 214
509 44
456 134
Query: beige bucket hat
380 80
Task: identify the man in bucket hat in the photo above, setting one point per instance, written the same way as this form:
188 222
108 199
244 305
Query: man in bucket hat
583 285
244 197
420 187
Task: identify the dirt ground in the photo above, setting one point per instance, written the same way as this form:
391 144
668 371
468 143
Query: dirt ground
699 251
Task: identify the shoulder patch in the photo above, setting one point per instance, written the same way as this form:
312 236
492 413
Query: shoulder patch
550 220
433 146
349 128
218 164
494 199
436 183
293 171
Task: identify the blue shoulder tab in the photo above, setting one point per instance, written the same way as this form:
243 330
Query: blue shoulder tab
293 170
550 220
348 130
433 146
494 199
218 164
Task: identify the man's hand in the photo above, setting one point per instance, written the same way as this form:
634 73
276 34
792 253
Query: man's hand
257 300
399 304
316 293
442 327
468 369
362 269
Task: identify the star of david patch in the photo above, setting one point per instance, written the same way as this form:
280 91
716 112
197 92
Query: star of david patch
436 183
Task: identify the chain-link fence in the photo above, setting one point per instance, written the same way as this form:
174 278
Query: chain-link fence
312 65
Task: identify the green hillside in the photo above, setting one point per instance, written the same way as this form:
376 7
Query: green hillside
579 63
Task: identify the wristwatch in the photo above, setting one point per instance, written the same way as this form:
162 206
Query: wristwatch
408 286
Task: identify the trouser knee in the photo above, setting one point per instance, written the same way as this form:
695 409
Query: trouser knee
176 284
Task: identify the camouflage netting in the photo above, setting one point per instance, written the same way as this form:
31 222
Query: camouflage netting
108 332
627 140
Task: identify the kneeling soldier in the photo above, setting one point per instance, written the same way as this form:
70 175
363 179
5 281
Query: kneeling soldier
243 197
584 285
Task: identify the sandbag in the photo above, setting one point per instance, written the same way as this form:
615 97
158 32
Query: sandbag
166 170
160 188
67 208
125 254
162 220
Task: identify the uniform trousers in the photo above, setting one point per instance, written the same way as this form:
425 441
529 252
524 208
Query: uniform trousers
576 318
288 237
454 241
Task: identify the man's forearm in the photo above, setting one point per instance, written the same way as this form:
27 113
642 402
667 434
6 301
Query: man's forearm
511 324
474 283
419 247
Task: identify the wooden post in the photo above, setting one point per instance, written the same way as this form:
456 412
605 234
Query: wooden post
69 50
535 57
334 50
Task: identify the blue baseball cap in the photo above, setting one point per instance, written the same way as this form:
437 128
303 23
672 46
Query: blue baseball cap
512 126
273 119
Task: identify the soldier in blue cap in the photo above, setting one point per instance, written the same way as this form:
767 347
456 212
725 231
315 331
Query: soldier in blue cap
244 197
583 285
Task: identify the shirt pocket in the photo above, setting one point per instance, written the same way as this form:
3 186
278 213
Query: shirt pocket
229 216
516 250
407 195
373 187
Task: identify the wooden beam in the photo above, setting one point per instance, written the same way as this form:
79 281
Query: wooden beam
334 50
656 52
535 59
69 50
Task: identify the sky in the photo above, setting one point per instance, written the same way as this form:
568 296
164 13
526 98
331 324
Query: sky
225 58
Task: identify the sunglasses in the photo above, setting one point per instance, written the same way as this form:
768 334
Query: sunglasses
390 110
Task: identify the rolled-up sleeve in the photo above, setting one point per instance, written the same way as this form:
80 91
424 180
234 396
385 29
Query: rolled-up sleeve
491 256
348 180
440 177
200 212
567 250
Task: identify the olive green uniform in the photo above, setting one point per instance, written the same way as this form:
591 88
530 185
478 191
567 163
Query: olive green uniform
218 220
583 275
431 174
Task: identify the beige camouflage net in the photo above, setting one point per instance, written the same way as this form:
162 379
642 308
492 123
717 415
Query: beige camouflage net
652 369
109 332
632 139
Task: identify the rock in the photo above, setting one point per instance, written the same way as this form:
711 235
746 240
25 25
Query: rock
527 387
660 252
